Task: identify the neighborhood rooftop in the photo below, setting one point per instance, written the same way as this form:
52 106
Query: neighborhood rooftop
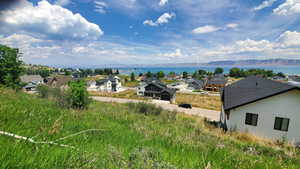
250 90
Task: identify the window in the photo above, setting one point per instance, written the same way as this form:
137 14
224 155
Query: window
251 119
281 124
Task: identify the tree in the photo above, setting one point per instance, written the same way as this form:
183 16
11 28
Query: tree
117 72
149 74
132 77
280 74
78 95
160 74
219 70
236 72
202 72
141 74
184 75
10 67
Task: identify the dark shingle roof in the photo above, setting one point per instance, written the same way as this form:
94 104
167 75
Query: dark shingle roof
217 80
163 87
251 89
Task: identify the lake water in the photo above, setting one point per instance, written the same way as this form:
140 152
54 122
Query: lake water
287 69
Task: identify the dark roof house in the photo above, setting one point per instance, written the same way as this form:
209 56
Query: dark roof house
58 81
159 91
251 89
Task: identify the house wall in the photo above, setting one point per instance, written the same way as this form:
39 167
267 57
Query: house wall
285 105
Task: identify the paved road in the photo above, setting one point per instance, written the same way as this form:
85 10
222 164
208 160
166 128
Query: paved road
209 114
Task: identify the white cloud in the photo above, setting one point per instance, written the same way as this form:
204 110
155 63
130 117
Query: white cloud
289 7
289 39
264 4
205 29
163 2
48 20
286 46
176 54
63 2
232 25
164 18
100 7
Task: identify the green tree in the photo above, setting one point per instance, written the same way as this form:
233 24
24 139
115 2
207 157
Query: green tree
160 74
10 67
184 75
78 95
149 74
219 70
132 77
236 72
117 72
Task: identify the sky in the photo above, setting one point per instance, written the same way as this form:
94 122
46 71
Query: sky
112 32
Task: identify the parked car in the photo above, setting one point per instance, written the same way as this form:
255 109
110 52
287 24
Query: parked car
185 105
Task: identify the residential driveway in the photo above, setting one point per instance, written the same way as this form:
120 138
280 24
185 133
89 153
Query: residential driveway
211 115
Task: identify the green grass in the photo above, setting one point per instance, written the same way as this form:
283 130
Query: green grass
131 139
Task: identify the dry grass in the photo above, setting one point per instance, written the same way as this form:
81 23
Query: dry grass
201 101
128 94
130 83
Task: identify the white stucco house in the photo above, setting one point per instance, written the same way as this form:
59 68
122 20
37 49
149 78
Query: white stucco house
110 84
262 107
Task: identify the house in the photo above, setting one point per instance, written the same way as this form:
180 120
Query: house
58 81
215 83
159 91
262 107
31 81
195 84
110 84
294 80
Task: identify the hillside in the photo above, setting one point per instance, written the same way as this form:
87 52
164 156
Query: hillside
254 62
128 138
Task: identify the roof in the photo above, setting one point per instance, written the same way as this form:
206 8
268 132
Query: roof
217 80
109 78
294 78
60 80
31 78
163 87
252 89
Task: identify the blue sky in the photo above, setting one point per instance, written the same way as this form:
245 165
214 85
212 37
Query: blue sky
107 32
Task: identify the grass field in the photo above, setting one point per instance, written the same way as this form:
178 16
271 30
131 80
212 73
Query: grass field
130 138
197 100
127 94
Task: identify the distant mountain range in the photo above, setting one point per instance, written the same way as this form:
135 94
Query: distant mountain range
253 62
238 63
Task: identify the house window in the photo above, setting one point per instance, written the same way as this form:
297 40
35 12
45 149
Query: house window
281 124
251 119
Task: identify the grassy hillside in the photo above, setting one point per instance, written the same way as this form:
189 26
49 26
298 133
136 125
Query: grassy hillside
130 139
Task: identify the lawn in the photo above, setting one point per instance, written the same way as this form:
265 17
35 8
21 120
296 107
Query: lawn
127 94
129 138
199 100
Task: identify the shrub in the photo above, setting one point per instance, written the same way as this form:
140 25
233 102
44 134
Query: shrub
43 91
77 94
144 108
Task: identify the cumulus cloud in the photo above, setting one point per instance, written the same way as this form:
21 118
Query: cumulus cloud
264 4
48 20
289 7
205 29
63 2
163 2
100 7
164 18
177 53
210 28
289 39
287 45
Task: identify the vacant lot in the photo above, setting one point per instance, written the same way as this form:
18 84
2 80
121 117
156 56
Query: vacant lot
201 101
127 94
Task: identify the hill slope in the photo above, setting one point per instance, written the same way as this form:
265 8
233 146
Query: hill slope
129 139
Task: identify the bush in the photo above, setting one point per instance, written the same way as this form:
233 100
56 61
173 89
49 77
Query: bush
43 91
77 95
144 108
